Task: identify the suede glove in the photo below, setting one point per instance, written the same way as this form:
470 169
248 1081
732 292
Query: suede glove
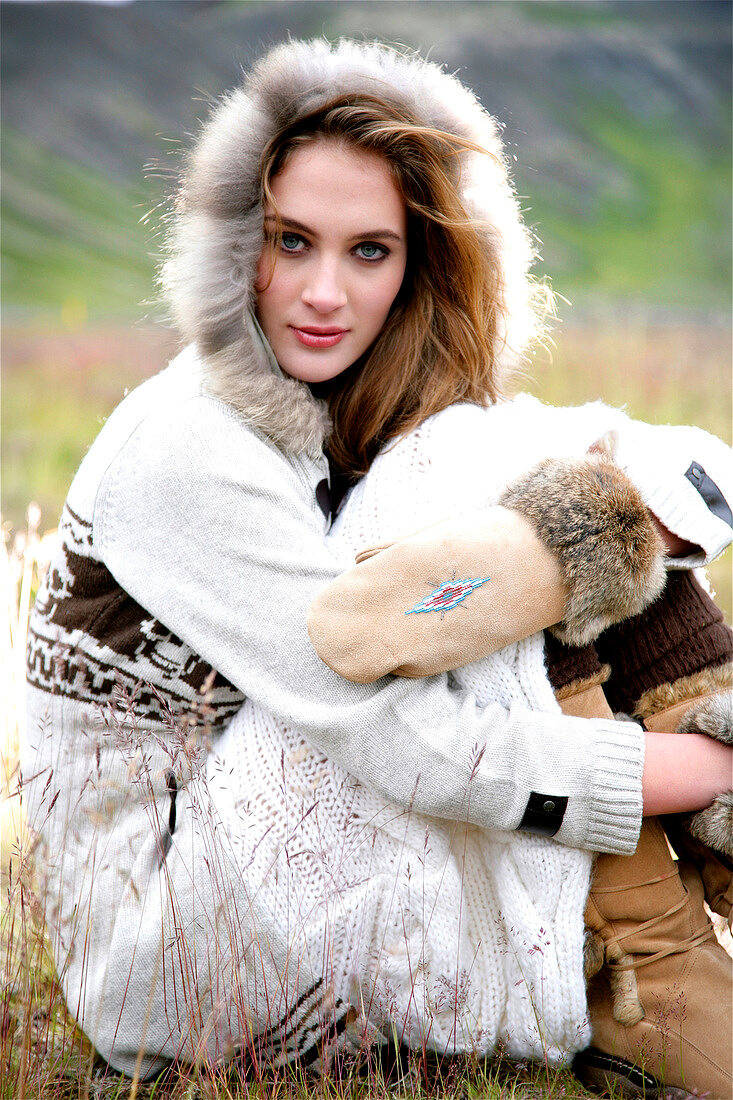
570 546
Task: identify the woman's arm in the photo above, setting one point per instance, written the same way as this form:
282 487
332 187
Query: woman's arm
683 772
571 546
680 476
219 536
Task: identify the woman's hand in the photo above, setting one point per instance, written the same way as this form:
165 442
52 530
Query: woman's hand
675 546
684 772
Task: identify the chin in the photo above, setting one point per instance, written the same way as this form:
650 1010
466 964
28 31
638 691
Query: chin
315 370
315 378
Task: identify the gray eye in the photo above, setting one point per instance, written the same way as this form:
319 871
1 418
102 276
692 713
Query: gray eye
370 251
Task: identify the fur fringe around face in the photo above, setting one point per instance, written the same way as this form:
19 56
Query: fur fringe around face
216 234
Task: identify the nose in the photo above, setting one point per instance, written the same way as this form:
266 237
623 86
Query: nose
324 289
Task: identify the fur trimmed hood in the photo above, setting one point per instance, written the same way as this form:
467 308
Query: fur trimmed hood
216 235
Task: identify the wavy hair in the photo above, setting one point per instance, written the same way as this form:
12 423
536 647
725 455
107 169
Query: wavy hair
442 340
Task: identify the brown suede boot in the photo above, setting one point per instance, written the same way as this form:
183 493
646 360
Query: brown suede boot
715 869
671 1034
666 661
661 1008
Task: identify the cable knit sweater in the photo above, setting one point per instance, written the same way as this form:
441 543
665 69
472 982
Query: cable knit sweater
458 937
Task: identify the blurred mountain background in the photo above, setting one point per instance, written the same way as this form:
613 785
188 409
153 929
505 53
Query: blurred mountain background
616 114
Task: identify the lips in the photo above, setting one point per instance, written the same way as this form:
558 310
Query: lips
319 337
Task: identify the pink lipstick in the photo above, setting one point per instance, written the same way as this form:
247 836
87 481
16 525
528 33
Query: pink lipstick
319 338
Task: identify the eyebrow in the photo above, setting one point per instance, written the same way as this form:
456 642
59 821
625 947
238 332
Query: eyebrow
372 234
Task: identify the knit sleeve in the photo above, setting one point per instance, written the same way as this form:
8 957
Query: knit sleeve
467 455
211 529
684 474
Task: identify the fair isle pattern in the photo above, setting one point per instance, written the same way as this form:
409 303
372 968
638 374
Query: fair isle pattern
447 595
90 641
314 1020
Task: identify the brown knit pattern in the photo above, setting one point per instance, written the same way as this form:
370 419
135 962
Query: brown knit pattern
569 665
678 635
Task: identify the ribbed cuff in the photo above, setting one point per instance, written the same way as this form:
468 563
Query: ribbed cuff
684 512
613 808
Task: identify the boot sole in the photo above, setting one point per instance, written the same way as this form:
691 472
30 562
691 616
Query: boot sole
604 1074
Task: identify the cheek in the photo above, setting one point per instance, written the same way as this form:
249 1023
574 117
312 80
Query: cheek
274 282
273 295
379 296
384 294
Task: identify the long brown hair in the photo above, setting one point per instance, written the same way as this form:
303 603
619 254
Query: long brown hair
441 340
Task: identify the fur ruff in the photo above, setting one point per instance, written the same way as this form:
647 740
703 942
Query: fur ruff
216 233
687 688
611 557
713 716
627 1008
714 825
594 954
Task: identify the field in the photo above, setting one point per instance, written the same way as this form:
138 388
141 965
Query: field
616 121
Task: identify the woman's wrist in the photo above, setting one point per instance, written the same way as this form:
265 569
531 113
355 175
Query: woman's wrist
684 772
674 545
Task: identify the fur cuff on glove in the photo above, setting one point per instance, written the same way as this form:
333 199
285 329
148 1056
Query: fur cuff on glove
591 517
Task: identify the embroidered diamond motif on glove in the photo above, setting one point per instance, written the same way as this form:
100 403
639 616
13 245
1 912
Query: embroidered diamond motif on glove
447 595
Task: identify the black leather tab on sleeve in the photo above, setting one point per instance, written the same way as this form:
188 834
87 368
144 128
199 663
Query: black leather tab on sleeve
709 492
544 814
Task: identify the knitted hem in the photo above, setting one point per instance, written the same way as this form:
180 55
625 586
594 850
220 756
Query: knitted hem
704 682
597 679
568 664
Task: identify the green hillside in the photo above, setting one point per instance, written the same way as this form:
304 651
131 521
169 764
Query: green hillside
616 114
660 237
72 238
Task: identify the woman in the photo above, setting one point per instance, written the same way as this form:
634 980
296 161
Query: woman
193 543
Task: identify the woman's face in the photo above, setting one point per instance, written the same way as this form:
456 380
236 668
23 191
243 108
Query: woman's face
339 263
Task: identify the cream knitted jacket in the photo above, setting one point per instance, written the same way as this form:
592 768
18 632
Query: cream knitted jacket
189 543
456 936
